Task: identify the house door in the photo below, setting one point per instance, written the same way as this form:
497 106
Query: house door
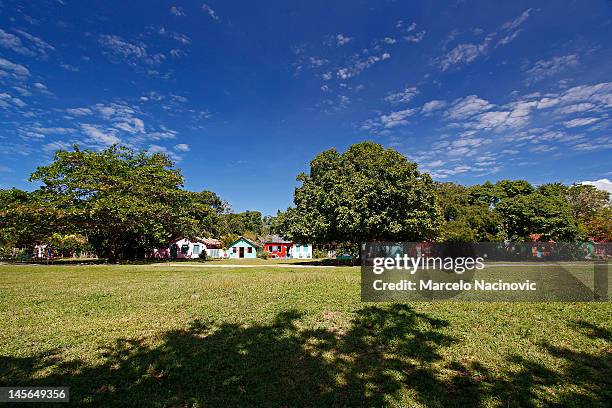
173 251
241 252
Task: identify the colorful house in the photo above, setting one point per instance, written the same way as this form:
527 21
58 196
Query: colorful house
279 248
301 251
242 248
184 248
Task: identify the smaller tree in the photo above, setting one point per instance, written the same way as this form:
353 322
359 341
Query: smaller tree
586 200
547 216
599 225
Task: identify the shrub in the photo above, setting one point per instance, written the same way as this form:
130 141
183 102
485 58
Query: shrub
263 254
319 253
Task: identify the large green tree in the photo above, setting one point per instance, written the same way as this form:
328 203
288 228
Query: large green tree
247 222
206 208
125 202
466 221
367 193
547 216
25 221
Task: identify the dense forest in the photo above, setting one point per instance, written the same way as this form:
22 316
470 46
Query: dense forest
120 204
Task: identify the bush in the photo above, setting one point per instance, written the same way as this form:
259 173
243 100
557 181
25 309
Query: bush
202 257
263 255
319 253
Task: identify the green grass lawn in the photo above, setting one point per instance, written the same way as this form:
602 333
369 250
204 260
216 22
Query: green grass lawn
197 336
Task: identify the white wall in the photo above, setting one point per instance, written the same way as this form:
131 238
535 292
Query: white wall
301 251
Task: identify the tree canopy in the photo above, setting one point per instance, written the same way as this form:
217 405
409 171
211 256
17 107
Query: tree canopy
367 193
125 202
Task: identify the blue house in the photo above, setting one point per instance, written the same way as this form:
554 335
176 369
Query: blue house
242 248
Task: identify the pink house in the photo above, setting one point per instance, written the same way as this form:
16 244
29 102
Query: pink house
185 248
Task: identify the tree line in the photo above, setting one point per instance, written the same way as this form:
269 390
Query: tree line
370 193
121 203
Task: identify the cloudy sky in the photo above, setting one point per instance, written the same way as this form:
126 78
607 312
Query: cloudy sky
243 95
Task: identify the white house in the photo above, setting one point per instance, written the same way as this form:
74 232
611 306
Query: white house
301 251
40 251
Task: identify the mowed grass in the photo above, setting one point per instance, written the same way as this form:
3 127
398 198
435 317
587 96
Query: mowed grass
195 336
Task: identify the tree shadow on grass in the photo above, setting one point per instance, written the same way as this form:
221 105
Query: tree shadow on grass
277 364
575 379
388 354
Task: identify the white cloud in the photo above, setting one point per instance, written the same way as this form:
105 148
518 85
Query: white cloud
361 64
431 106
55 146
182 38
508 38
79 111
403 96
575 108
409 32
54 130
177 11
600 94
42 88
341 39
598 143
415 38
511 25
317 62
161 135
465 53
546 68
7 100
120 50
153 149
182 147
98 136
27 44
468 106
12 42
580 122
132 125
602 184
397 118
69 67
15 69
389 40
37 45
208 10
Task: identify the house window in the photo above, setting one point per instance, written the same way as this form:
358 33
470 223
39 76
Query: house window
234 249
250 250
196 249
184 249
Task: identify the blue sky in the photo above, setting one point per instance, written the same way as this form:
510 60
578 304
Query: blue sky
244 94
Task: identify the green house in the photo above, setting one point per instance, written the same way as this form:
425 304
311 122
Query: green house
242 248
